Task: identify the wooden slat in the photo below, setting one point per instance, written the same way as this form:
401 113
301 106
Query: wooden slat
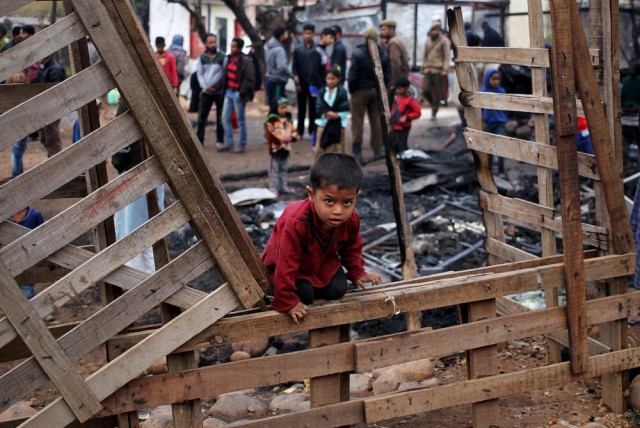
45 178
506 251
537 57
37 244
525 103
425 400
9 6
334 388
179 169
43 43
45 349
17 350
121 370
13 94
111 319
43 271
74 189
101 264
539 154
51 105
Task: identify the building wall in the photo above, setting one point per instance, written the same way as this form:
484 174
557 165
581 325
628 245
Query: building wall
168 19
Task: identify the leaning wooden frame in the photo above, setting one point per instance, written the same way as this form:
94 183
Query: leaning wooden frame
194 320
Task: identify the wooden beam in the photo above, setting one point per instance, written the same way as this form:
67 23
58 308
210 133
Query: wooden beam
13 94
334 388
51 105
535 57
506 251
534 104
55 363
16 349
9 6
74 189
542 155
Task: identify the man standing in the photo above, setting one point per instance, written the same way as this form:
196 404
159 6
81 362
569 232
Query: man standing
491 37
15 33
321 60
209 71
277 66
167 62
180 56
27 31
362 86
339 55
435 65
397 51
238 85
300 66
51 72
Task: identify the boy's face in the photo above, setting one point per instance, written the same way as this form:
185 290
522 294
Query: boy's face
332 81
282 109
494 80
326 39
307 35
160 47
333 206
402 90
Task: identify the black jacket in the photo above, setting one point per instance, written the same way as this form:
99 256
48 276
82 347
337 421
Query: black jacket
246 77
301 63
361 75
51 72
339 58
341 103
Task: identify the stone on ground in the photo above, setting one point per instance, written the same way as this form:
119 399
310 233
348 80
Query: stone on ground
159 417
287 402
239 356
388 381
634 393
214 423
360 385
231 407
255 347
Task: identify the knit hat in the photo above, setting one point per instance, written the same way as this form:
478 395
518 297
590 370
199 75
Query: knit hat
177 40
436 24
283 100
370 33
388 23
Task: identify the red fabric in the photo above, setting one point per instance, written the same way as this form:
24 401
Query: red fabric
406 105
582 124
168 63
232 73
299 249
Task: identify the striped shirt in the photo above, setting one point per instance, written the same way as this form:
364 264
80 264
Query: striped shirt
232 74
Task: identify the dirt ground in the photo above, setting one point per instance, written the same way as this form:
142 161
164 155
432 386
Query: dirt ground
567 405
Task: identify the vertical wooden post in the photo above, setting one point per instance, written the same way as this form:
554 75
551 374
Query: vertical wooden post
403 228
481 362
564 97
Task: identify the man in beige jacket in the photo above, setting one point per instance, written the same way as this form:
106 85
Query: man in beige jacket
435 64
397 51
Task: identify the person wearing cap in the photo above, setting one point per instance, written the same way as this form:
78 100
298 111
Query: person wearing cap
435 66
397 51
279 129
278 72
491 37
361 80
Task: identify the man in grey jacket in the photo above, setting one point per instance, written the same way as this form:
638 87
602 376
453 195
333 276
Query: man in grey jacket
277 66
209 71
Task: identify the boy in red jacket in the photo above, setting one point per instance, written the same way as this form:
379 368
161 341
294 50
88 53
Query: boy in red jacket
315 237
405 109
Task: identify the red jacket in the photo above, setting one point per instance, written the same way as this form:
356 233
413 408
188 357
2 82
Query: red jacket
300 249
168 63
404 105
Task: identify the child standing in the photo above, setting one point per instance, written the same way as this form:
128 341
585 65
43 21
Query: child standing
494 120
405 109
280 132
332 110
30 218
315 237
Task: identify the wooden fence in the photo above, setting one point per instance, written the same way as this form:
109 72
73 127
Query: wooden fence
194 320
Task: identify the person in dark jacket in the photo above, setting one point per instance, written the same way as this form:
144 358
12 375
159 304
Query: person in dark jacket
238 86
362 86
332 109
300 66
491 37
51 72
180 56
321 60
339 54
278 72
494 120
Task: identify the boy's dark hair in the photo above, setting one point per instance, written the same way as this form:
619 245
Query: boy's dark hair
336 168
337 29
16 31
238 42
308 26
403 82
206 36
29 29
335 70
328 31
278 32
160 41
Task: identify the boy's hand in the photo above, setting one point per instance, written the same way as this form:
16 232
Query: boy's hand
332 115
298 312
402 119
373 278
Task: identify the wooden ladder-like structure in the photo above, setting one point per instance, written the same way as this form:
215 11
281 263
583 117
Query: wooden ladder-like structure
177 159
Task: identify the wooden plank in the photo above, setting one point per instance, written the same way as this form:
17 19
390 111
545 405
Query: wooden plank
564 84
466 392
179 169
334 388
135 40
506 251
13 94
534 104
54 103
44 178
45 349
121 370
16 349
100 265
536 56
43 43
72 222
111 319
43 271
358 356
9 6
108 422
542 155
74 189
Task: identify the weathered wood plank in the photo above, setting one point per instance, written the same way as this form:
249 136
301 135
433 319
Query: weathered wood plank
111 319
45 178
536 56
540 154
506 251
13 94
37 244
333 388
9 6
43 43
74 189
45 349
54 103
179 169
535 104
16 349
121 370
466 392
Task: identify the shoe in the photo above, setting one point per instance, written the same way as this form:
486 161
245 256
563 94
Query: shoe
222 148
